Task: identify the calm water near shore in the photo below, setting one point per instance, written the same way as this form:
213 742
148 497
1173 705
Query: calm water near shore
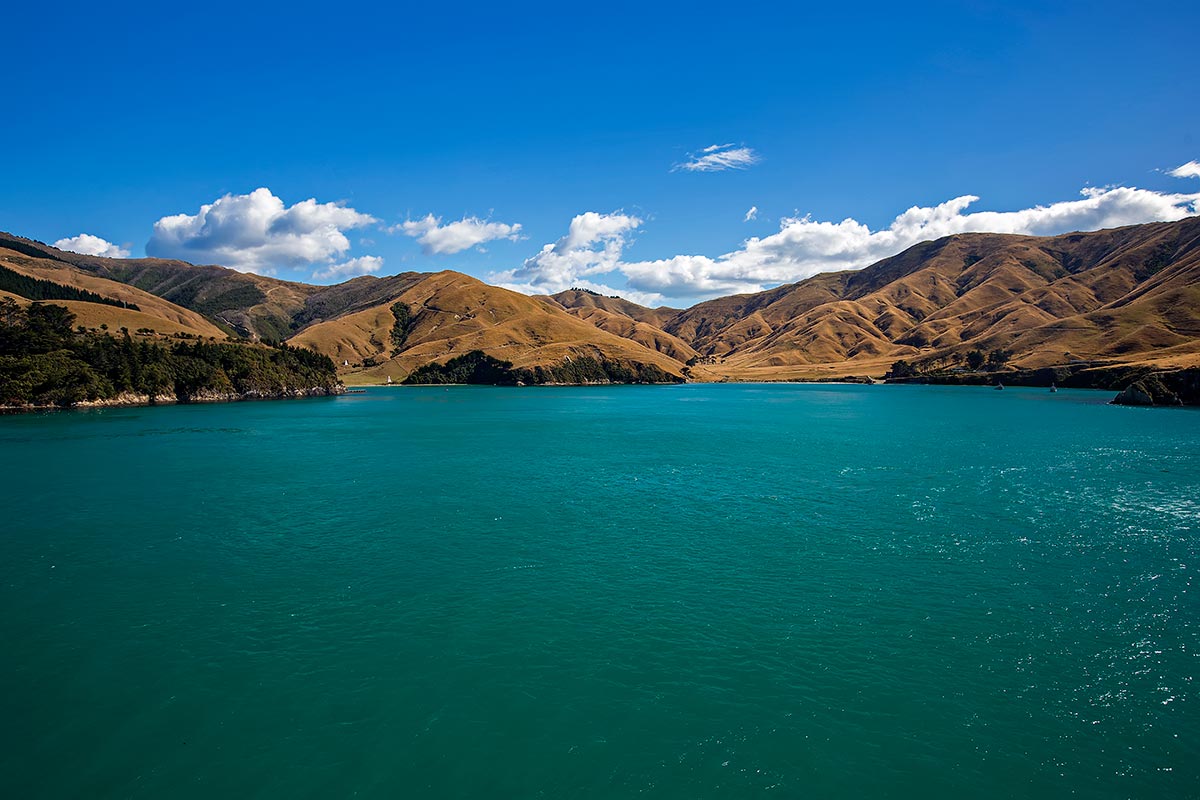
679 592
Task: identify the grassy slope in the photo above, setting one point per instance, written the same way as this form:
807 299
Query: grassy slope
641 333
154 312
453 314
254 305
1129 294
574 299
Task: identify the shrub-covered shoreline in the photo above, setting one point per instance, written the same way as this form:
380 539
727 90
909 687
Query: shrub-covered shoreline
45 362
476 367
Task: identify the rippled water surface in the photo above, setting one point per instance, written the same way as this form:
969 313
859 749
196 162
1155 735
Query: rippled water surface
695 591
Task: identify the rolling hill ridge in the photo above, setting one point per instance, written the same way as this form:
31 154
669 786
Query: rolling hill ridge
1126 296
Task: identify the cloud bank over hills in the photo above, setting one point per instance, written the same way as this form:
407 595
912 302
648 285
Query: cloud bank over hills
454 237
804 247
89 245
258 232
363 265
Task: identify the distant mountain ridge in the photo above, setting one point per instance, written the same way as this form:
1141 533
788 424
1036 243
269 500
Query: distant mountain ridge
1128 296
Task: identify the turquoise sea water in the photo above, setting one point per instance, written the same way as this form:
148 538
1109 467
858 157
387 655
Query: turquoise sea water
679 592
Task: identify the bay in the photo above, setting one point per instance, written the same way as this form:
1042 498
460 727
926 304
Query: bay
692 591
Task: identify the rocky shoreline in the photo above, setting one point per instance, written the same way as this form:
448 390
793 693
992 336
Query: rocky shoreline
128 399
1136 386
1174 388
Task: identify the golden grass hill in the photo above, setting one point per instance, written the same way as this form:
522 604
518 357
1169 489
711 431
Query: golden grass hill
1115 309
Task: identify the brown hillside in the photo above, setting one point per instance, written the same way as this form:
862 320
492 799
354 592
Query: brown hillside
582 300
154 312
253 305
453 314
643 333
1128 294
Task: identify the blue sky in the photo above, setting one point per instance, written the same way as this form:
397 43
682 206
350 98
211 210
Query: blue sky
574 124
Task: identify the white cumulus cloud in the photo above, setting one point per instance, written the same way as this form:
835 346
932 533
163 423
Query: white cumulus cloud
752 214
364 265
592 246
1189 170
454 237
719 157
804 247
256 232
89 245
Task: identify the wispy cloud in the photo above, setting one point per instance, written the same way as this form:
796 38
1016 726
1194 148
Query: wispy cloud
719 157
89 245
1189 170
364 265
256 233
454 237
752 214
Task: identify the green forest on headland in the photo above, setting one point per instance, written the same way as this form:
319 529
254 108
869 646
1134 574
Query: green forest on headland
45 361
478 367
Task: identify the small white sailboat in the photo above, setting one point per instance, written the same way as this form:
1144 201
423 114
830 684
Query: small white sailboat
1053 388
999 386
